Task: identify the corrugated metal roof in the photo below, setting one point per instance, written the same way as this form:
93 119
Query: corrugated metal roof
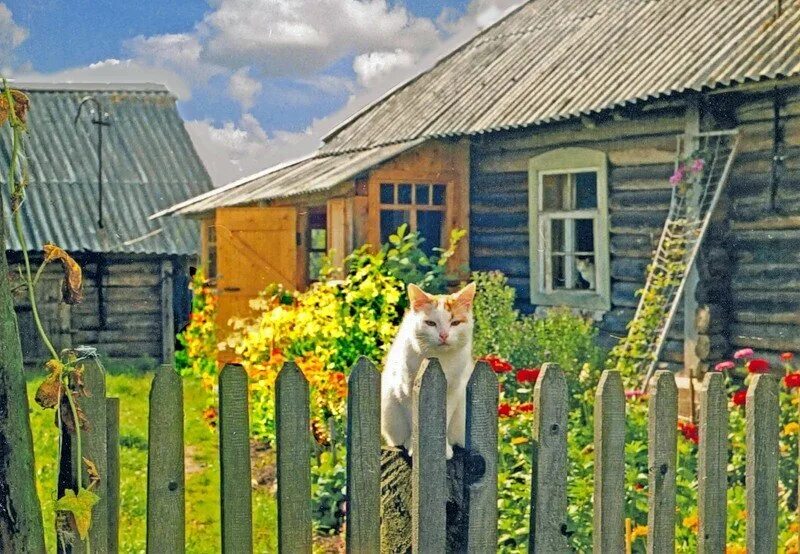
554 59
149 164
313 174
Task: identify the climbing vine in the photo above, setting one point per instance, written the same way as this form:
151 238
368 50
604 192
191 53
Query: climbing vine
64 382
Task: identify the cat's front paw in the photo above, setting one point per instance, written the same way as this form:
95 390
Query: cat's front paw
448 451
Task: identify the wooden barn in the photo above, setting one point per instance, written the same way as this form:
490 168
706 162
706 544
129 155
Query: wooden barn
135 270
551 137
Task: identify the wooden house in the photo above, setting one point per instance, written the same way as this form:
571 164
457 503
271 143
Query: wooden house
554 135
135 270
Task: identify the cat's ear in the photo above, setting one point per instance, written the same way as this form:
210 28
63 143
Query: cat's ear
418 297
465 296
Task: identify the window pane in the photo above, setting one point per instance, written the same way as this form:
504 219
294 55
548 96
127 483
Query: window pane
558 269
584 235
438 195
387 193
556 192
314 264
404 193
423 195
586 273
558 241
319 239
586 190
429 226
390 221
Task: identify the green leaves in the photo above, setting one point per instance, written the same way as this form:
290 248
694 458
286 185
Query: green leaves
80 506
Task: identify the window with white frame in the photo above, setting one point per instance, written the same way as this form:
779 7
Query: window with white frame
568 192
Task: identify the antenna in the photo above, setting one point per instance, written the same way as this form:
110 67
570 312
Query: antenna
101 120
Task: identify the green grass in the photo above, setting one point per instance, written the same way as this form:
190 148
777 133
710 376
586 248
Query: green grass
202 462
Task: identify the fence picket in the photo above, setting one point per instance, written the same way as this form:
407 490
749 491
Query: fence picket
763 422
112 445
712 466
609 467
234 455
662 429
363 531
293 461
429 471
481 445
166 512
549 480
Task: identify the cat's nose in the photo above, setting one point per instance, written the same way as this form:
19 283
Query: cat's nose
443 336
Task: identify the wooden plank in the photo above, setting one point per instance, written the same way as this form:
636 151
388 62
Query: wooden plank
428 473
481 472
234 457
712 465
166 513
549 480
293 461
609 471
761 478
363 532
662 431
112 442
167 315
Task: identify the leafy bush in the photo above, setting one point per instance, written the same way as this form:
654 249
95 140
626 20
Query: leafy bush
199 339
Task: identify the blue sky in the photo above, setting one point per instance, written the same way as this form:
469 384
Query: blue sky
258 81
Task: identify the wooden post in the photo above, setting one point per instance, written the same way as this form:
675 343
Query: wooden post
549 481
294 464
761 477
234 458
166 510
481 472
167 315
429 470
712 466
662 431
363 532
112 442
609 469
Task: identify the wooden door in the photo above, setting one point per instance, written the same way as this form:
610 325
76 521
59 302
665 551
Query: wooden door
255 247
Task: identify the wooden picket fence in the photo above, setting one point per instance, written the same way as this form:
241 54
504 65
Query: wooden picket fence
165 486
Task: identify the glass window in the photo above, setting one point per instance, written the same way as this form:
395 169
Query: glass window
211 254
439 195
429 226
391 220
419 205
317 243
387 193
423 193
404 193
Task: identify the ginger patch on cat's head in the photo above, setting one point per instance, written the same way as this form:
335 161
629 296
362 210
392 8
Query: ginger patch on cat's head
458 304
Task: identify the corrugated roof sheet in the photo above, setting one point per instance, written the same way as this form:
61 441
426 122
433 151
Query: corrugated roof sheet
149 164
554 59
309 175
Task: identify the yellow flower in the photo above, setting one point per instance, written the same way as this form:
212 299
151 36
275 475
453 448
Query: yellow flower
735 549
792 428
519 440
692 522
638 531
794 527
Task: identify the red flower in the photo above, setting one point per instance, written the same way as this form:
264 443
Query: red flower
689 431
787 356
504 410
792 380
498 364
740 397
527 375
758 365
527 407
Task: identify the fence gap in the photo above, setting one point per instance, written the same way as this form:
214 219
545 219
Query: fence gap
548 525
712 466
293 460
609 466
234 456
480 471
112 442
166 511
429 469
363 531
662 432
763 423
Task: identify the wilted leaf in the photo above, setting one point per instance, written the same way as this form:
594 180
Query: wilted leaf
67 419
73 276
49 391
80 506
91 470
21 104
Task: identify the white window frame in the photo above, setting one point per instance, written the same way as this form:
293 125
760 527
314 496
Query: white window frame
561 161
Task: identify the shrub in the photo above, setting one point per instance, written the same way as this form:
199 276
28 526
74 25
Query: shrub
199 339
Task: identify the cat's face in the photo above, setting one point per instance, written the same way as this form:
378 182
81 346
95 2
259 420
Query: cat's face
442 322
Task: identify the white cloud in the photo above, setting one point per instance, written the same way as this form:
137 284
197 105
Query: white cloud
243 88
11 34
371 67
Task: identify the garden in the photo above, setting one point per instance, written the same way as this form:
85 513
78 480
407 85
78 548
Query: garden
355 311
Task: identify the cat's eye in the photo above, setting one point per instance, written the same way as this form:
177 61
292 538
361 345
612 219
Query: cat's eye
430 323
456 322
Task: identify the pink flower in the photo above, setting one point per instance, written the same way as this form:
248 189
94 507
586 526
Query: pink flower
724 366
633 394
743 353
677 177
698 165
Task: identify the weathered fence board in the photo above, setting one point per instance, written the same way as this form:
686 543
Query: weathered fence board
166 513
662 431
481 460
112 442
294 464
363 532
234 456
712 466
549 481
428 472
761 482
609 466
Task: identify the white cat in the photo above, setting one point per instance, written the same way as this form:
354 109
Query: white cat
433 327
586 270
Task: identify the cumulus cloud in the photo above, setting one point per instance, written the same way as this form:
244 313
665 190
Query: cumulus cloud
243 88
371 67
11 34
